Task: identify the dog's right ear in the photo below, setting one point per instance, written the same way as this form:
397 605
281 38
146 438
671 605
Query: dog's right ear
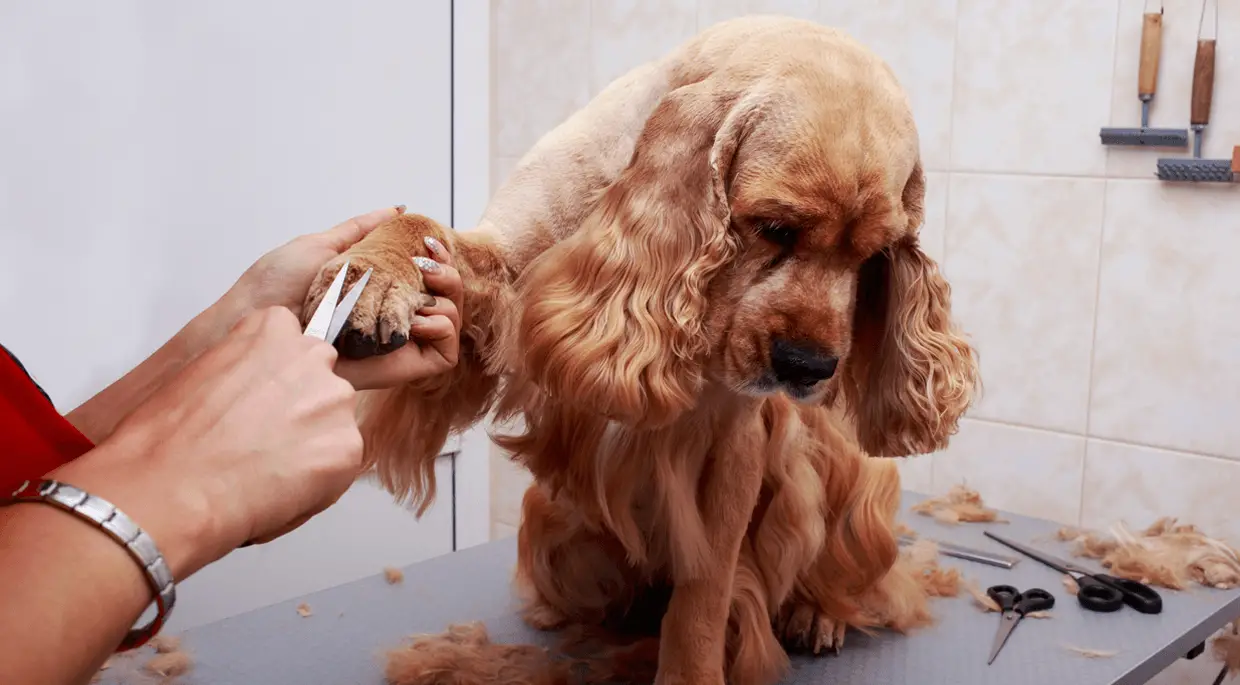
612 317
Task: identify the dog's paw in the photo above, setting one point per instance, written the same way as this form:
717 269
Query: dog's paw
380 321
802 627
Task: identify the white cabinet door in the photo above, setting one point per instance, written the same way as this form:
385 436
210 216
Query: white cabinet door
149 152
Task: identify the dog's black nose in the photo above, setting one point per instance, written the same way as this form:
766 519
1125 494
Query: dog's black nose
796 364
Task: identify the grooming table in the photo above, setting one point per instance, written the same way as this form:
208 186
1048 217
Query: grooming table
343 641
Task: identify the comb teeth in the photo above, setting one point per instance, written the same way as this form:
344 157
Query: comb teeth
1145 137
1196 170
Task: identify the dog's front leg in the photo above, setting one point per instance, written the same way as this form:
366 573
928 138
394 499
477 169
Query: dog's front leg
694 630
406 427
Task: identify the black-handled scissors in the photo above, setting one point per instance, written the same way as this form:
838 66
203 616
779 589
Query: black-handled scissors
1015 605
1098 591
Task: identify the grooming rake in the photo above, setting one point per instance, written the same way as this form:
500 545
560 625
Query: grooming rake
1147 84
1195 169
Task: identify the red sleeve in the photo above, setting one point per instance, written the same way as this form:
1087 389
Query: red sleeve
34 437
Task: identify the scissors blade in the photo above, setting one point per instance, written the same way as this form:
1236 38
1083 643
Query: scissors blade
1006 625
1061 565
346 307
323 314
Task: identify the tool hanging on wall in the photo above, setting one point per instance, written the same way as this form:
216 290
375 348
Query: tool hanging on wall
1147 84
1195 168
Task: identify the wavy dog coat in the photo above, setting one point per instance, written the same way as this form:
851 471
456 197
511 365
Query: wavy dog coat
703 296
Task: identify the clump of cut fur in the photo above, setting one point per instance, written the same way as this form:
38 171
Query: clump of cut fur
1090 653
1165 554
961 504
980 598
170 664
922 559
465 655
393 575
1070 586
165 644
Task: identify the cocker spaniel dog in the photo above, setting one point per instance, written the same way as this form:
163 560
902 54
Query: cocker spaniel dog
703 294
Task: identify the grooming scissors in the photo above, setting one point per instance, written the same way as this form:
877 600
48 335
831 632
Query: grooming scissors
329 317
1015 605
1098 591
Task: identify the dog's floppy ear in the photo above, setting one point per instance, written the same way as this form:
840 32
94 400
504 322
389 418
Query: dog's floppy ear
910 374
613 316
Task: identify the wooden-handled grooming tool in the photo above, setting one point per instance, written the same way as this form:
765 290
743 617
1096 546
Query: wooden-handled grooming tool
1203 91
1195 168
1147 85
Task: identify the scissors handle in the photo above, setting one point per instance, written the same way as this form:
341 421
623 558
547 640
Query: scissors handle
1010 599
1105 593
1004 595
1035 599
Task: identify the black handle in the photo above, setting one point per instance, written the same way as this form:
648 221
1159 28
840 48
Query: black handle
1096 595
1004 595
1139 596
1035 599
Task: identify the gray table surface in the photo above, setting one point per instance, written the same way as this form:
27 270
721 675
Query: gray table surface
352 625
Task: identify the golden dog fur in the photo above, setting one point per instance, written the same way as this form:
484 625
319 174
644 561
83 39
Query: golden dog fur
761 182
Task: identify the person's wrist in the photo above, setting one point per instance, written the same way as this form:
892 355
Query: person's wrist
216 321
176 515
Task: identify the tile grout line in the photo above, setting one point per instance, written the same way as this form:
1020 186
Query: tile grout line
1099 438
951 98
1045 175
947 176
1093 338
1119 20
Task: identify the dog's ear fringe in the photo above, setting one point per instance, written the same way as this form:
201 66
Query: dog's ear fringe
613 316
911 373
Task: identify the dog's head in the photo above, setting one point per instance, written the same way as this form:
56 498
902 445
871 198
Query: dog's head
762 239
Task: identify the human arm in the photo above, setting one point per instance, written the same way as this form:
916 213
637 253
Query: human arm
281 278
254 434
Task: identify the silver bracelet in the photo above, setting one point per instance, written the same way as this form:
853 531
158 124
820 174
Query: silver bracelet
102 514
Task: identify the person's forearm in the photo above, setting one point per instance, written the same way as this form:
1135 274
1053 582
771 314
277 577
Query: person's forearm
97 417
68 594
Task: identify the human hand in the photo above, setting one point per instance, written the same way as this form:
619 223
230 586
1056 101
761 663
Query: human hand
252 438
433 345
283 276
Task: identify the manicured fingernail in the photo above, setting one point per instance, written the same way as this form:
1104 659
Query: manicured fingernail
419 321
400 209
434 246
430 266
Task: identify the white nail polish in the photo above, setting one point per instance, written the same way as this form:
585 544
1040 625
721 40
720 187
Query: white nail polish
430 266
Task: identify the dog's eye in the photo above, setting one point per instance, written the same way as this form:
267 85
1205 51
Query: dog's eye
778 234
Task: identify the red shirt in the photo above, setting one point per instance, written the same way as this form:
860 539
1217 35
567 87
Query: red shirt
34 437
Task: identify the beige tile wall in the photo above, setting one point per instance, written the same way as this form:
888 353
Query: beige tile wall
1104 303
